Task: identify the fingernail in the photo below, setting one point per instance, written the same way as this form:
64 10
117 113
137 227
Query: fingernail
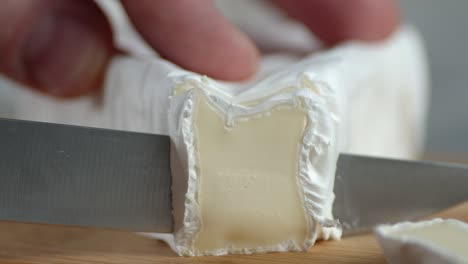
63 56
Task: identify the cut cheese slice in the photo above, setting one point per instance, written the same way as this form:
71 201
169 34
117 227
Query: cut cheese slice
435 241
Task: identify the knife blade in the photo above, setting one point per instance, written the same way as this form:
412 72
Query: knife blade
70 175
371 191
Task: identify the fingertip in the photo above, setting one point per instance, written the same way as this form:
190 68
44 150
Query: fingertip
194 35
236 60
372 21
335 21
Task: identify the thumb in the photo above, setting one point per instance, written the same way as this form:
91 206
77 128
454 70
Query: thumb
58 47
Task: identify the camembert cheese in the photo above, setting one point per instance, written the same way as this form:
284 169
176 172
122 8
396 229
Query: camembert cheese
253 163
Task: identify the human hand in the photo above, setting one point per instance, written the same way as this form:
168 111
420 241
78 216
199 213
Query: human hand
63 47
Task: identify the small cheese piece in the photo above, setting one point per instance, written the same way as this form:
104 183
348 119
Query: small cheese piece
435 241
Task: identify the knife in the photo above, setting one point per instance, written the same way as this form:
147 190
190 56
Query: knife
71 175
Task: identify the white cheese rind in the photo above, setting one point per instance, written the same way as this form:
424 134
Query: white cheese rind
316 157
434 241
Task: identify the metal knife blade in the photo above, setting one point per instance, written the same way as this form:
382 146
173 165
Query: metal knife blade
371 191
70 175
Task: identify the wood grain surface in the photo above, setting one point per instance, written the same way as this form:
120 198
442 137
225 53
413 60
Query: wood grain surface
27 243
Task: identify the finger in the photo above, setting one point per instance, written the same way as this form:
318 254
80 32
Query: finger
334 21
194 35
58 47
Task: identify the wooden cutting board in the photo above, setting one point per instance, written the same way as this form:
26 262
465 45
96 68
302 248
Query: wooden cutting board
27 243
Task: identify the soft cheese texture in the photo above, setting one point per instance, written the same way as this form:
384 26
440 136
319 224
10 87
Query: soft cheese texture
293 118
435 241
244 176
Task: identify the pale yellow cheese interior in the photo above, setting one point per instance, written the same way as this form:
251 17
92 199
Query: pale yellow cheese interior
448 236
248 193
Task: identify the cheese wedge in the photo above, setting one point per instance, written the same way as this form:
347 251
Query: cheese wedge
259 164
253 163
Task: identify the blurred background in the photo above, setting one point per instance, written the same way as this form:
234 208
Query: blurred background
443 25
